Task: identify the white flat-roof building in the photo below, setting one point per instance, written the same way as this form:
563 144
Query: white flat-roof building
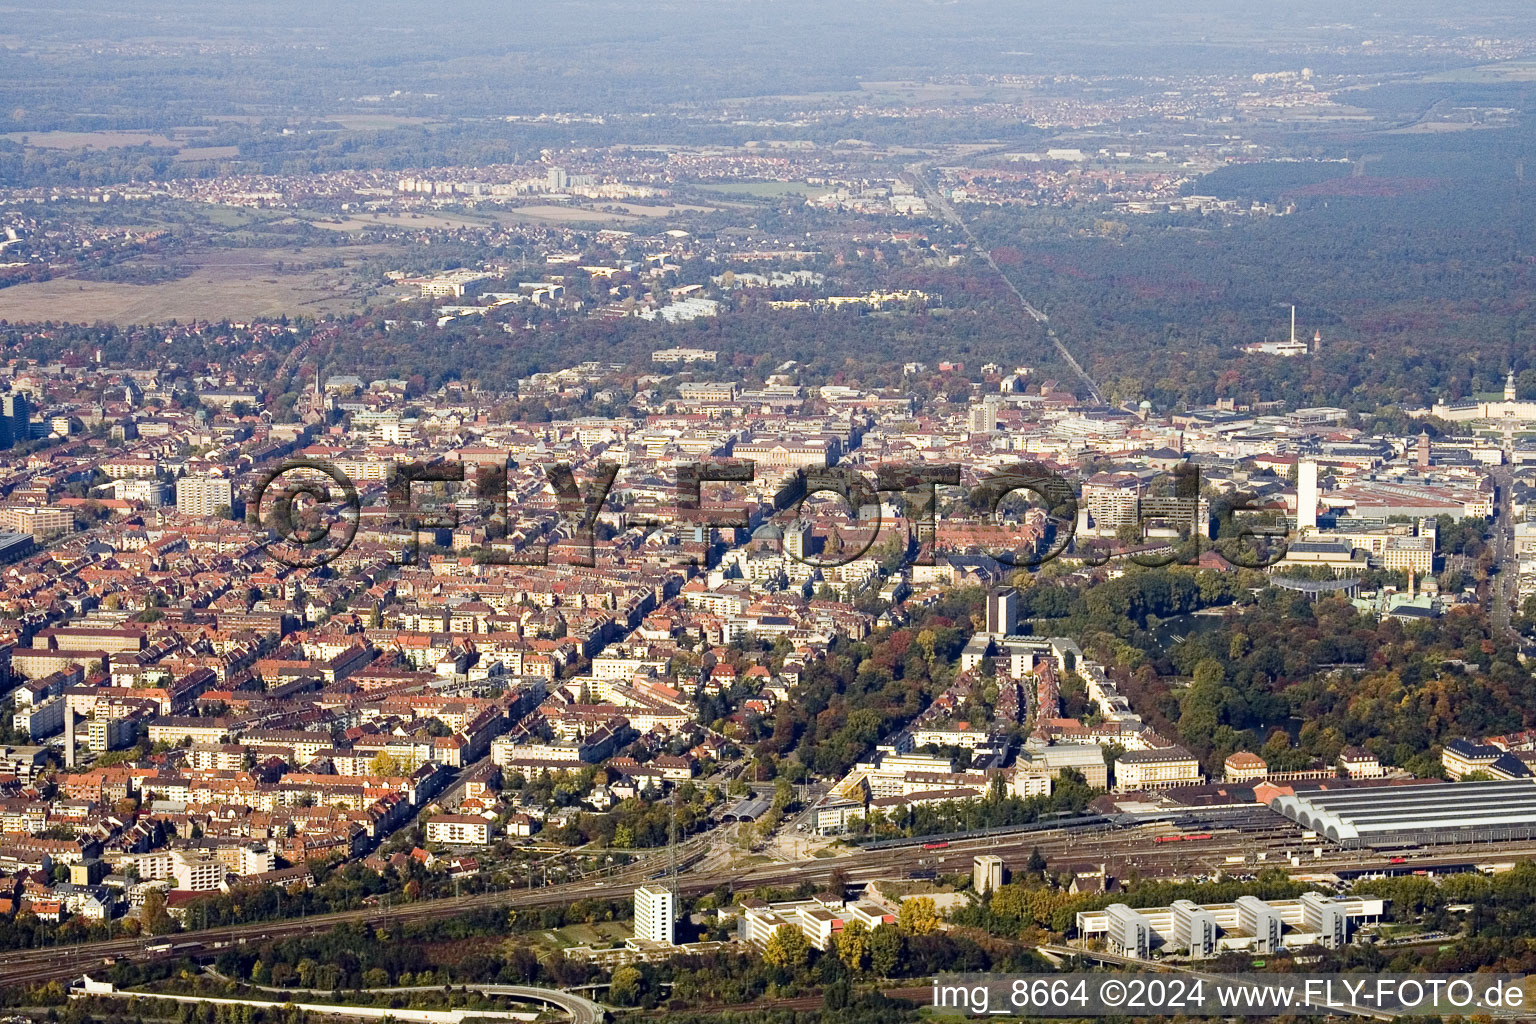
1262 921
1194 928
655 914
1128 933
1244 925
1326 917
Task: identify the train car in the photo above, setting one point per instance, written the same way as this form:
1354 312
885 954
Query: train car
1196 838
1167 839
935 846
925 875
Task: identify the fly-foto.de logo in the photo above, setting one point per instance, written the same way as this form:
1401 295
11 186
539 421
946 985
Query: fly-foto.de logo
310 510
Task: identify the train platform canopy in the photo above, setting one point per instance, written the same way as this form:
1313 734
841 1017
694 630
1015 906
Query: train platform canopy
749 809
1463 812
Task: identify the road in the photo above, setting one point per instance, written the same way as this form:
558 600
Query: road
580 1009
940 204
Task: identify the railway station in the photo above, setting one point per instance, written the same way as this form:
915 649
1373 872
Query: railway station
1401 816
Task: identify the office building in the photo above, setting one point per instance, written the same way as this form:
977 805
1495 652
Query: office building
1194 929
1327 917
655 914
1250 925
39 522
1158 768
1262 921
1129 933
797 540
15 420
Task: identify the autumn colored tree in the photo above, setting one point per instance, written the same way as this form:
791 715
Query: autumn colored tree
853 945
918 916
787 949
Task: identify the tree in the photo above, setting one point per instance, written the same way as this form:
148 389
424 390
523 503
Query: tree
918 916
1036 862
885 950
787 948
1009 901
157 921
625 985
853 945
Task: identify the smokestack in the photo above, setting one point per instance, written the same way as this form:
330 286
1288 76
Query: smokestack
1306 495
1293 324
69 735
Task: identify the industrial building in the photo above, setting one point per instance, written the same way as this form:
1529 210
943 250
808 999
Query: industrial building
1384 816
1250 924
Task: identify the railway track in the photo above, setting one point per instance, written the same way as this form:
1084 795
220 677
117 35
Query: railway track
1127 847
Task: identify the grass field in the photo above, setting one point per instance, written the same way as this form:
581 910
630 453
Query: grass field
237 284
588 934
88 140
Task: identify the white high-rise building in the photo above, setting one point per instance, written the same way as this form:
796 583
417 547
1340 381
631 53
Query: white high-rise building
204 495
655 913
1306 495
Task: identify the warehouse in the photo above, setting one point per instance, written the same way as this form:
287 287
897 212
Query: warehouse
1464 812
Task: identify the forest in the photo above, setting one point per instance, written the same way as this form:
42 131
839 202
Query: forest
1416 275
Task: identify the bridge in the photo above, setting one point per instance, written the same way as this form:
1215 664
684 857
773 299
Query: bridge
580 1009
